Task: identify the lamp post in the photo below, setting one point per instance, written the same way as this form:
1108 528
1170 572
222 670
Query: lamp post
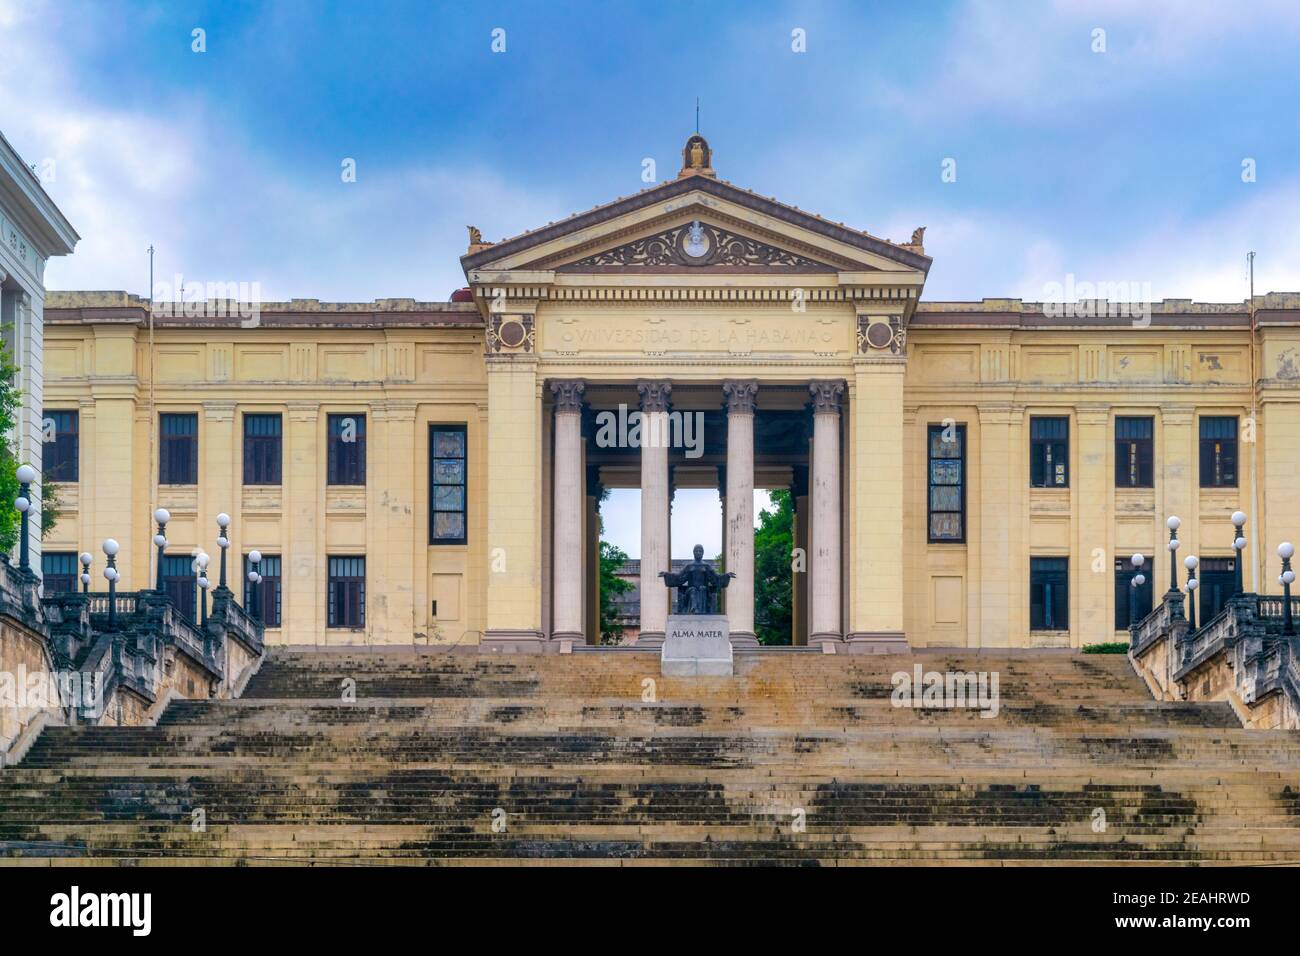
1172 524
1238 545
223 542
1135 582
201 566
162 516
26 475
86 558
111 548
1190 562
254 579
1284 551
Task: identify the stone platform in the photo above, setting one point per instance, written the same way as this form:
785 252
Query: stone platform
697 646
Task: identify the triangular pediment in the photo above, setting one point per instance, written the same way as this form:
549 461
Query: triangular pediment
696 225
699 245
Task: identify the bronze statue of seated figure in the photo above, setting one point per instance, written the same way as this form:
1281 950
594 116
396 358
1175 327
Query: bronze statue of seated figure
697 585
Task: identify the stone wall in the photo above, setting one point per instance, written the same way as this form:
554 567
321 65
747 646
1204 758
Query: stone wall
23 656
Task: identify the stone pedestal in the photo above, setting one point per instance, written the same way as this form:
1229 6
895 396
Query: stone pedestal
696 645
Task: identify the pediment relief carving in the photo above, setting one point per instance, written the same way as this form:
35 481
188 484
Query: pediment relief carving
697 245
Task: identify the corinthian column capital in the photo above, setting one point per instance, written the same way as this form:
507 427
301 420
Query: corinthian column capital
654 395
568 394
827 396
740 395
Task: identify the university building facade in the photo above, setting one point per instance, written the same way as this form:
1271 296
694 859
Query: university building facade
969 474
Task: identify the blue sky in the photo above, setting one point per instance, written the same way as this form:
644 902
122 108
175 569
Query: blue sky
1115 166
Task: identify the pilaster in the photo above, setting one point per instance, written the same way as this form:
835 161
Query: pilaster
514 529
876 541
1092 620
303 565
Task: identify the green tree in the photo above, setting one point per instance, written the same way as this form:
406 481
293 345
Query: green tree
10 404
773 555
611 559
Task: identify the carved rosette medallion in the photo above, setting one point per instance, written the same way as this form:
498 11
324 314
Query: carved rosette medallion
740 395
511 333
654 395
568 394
881 334
827 396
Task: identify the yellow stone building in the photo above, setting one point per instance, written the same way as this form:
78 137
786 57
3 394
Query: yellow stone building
965 473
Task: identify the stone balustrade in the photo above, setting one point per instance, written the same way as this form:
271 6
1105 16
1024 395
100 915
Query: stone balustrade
124 672
1240 655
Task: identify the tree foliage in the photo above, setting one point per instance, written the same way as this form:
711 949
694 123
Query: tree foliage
611 559
773 556
11 398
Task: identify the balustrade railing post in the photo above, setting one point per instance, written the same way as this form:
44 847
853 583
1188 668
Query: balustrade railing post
111 548
1238 547
223 542
26 475
1285 550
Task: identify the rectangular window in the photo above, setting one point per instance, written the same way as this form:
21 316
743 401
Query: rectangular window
59 572
178 452
347 592
180 583
947 482
268 592
447 484
60 454
1049 594
1218 577
346 436
1124 574
1134 456
1049 452
1218 452
262 449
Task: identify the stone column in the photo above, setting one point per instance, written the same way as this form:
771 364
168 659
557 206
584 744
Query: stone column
569 560
824 613
740 509
654 510
593 554
799 576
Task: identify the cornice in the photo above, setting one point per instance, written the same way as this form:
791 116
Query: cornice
34 212
672 189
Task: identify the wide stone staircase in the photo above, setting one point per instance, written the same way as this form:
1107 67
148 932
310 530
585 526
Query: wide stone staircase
357 756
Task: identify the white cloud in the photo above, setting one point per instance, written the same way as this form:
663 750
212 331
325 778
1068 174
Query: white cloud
1181 257
1030 59
184 178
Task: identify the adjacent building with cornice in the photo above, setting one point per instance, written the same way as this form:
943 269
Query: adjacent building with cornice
32 229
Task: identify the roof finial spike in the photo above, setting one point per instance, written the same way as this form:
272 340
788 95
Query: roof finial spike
697 115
